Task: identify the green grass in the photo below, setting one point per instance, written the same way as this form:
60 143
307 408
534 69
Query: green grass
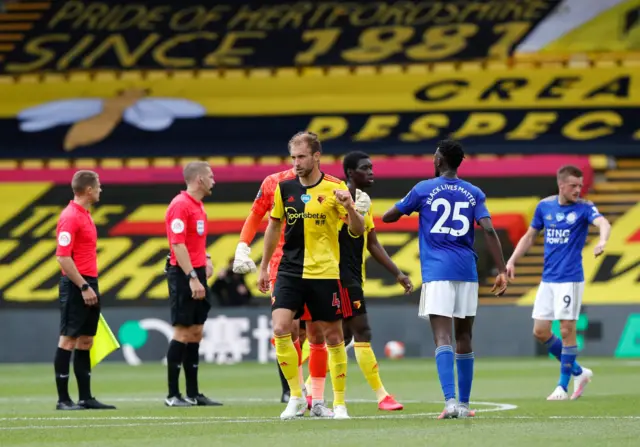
514 411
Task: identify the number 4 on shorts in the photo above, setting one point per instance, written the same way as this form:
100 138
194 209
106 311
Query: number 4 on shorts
336 301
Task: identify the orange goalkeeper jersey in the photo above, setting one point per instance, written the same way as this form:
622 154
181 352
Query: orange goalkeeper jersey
263 204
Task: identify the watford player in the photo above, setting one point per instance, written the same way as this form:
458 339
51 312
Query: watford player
358 170
310 207
243 264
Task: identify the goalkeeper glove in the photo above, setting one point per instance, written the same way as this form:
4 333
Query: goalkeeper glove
363 202
242 263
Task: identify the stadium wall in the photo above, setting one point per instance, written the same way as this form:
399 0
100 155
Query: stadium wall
243 334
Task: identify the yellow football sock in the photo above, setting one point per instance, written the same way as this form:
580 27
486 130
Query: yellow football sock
338 369
369 366
288 360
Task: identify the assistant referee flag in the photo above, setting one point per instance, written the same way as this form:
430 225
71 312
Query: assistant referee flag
104 342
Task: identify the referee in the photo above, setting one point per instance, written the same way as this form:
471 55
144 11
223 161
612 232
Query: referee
187 273
79 296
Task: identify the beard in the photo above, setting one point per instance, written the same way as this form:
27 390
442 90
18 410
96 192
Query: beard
436 171
305 172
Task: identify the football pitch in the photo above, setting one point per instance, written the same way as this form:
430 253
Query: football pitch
509 396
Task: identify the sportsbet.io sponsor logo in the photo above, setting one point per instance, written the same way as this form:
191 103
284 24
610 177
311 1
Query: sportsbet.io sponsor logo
293 215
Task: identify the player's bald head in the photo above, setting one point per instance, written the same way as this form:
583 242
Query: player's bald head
194 169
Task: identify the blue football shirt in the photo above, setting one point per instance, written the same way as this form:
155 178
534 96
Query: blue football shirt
565 234
447 210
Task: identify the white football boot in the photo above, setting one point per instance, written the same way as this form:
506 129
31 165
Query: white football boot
294 406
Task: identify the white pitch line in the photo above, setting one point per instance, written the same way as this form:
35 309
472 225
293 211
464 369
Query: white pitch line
566 417
107 398
496 407
204 420
273 420
177 420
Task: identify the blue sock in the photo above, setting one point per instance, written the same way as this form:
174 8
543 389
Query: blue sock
567 359
554 346
464 363
444 363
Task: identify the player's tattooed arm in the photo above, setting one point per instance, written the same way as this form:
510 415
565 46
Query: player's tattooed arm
382 257
605 230
392 215
495 248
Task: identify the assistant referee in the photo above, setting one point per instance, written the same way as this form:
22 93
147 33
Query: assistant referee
187 273
79 295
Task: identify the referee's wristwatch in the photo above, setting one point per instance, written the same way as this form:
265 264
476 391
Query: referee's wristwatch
84 287
193 274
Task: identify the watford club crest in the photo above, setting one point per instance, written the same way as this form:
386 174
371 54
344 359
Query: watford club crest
321 198
357 304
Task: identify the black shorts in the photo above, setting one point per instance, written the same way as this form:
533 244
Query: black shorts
353 303
76 318
186 311
322 297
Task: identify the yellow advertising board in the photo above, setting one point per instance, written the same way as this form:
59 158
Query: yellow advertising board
314 91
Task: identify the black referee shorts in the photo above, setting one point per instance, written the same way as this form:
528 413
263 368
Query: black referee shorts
186 311
76 318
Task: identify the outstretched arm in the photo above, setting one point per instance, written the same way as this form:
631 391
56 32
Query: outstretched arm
392 215
411 203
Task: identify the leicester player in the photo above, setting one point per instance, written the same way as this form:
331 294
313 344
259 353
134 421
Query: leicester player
311 205
358 170
565 219
448 207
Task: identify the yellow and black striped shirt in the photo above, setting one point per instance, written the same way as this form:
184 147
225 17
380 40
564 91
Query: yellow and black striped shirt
311 248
